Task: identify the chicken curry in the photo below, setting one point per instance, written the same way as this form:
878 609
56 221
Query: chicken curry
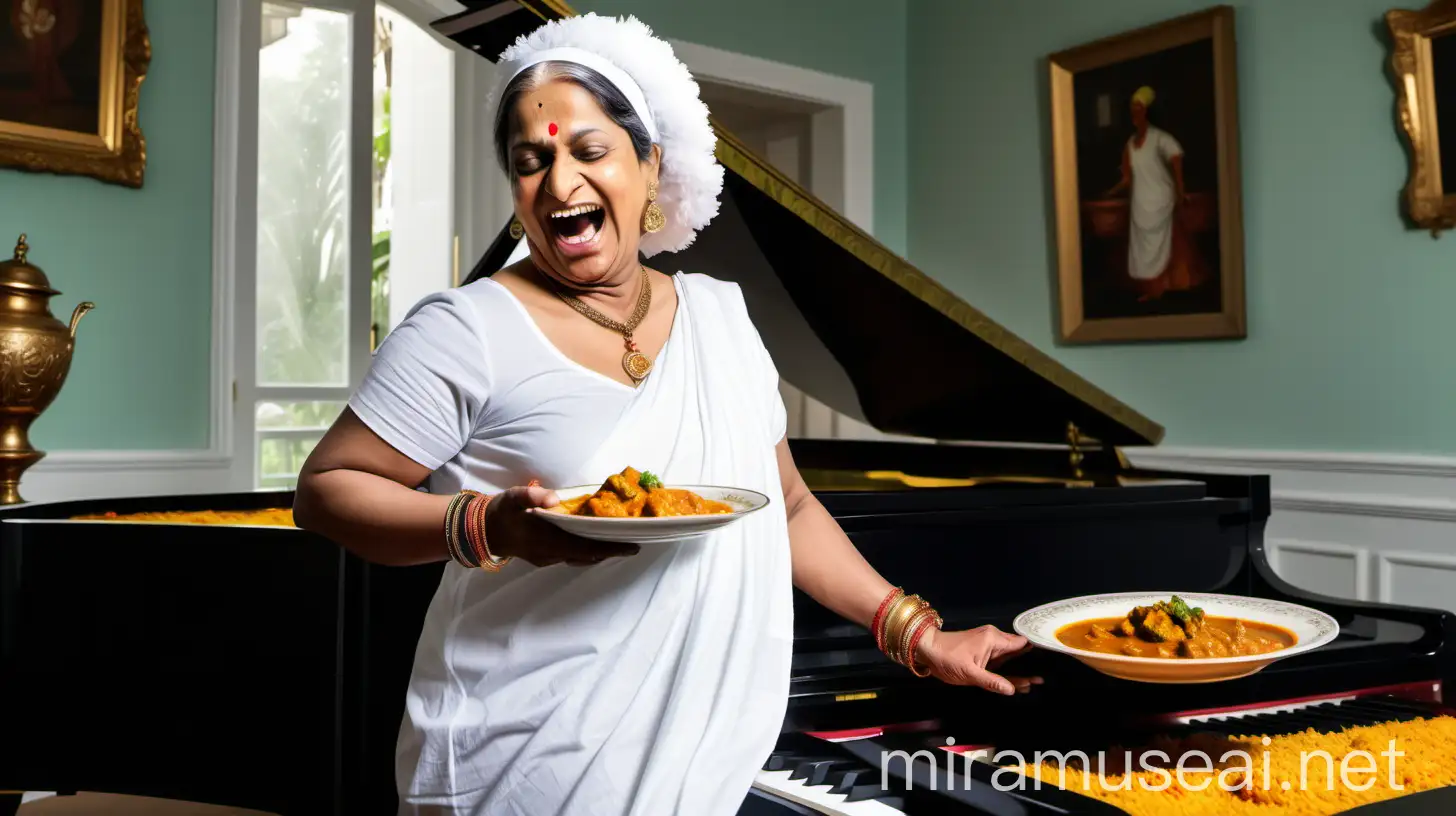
633 494
1173 629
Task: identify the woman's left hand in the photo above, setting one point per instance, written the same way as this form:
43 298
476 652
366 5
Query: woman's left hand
966 658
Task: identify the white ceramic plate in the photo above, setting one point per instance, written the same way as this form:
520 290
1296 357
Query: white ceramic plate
1312 629
652 530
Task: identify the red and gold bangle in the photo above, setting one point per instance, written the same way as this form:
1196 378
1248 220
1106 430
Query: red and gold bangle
877 627
475 532
899 626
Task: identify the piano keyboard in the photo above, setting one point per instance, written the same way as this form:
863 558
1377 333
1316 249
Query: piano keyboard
1324 716
838 786
815 775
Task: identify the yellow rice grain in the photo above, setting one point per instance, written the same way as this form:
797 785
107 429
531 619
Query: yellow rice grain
271 517
1429 761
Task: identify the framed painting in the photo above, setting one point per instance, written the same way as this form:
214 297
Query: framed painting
1423 64
1145 156
70 75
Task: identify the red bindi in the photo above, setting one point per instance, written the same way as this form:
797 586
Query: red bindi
551 129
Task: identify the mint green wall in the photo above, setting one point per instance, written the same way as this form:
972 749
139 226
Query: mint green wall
140 374
860 39
1351 329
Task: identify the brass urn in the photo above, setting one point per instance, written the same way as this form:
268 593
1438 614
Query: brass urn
35 357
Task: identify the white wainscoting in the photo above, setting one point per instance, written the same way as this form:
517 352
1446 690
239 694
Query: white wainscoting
1364 526
102 474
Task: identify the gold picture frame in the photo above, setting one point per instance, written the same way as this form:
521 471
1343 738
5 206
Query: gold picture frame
1413 66
1158 104
45 120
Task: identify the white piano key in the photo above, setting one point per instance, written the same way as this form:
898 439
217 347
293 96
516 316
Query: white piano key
818 797
1275 709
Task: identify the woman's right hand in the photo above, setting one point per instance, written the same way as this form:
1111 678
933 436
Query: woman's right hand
512 532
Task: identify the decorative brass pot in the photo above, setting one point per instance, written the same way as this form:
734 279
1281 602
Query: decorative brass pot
35 357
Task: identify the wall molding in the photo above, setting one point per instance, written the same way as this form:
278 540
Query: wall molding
1420 560
1356 484
1190 458
1364 505
1359 558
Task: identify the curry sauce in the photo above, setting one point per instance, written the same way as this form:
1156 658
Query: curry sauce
1172 630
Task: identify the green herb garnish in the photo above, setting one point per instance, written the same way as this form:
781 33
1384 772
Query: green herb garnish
1178 610
649 480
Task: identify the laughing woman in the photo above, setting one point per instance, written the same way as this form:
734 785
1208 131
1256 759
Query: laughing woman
556 675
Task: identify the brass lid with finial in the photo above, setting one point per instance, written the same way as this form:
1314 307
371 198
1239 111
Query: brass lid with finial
18 273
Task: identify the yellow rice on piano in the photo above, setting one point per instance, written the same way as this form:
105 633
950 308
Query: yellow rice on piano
1429 761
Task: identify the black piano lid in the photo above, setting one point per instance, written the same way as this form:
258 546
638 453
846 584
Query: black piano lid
846 320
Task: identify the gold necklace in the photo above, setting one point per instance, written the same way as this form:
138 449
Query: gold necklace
634 362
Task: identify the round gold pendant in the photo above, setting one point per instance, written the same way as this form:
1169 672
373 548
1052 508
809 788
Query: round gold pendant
637 365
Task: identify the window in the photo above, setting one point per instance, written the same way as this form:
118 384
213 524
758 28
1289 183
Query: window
346 163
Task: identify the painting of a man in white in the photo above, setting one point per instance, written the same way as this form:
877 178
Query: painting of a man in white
1159 255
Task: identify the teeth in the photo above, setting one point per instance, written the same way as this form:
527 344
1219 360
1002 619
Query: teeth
577 210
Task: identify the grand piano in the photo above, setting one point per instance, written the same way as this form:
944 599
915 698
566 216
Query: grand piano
265 667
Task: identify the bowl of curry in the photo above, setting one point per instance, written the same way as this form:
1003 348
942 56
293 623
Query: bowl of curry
637 507
1167 637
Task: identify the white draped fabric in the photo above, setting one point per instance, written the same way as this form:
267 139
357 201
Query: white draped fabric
1154 194
652 684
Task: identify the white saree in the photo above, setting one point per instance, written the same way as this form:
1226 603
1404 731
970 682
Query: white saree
653 684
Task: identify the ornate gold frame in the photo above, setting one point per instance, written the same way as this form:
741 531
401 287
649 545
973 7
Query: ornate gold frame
1426 200
1217 24
116 152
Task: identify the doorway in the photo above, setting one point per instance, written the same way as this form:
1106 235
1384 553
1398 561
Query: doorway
803 139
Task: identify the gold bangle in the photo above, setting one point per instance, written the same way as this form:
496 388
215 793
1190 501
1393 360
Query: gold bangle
453 517
896 618
450 548
903 656
915 641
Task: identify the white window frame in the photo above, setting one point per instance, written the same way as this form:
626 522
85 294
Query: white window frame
234 359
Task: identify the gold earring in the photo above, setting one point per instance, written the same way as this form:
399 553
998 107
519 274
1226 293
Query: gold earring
517 229
653 219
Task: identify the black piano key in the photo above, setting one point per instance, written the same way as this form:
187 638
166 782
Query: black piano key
844 781
861 793
1295 722
781 760
1225 727
813 771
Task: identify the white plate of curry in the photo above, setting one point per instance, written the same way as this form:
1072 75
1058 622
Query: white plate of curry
637 507
1167 637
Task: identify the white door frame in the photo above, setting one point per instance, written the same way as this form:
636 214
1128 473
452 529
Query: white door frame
843 137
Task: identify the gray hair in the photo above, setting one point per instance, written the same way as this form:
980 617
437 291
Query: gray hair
611 100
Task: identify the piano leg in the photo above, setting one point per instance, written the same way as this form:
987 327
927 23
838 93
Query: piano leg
9 803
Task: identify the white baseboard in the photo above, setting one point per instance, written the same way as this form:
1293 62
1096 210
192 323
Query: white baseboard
1358 525
122 473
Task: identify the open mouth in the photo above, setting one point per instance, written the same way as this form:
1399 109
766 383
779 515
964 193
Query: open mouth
577 225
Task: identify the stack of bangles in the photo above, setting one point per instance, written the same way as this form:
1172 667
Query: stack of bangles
465 532
900 624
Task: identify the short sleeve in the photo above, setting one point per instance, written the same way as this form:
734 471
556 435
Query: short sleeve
429 381
1168 147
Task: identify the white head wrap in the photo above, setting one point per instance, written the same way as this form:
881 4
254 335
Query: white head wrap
664 96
